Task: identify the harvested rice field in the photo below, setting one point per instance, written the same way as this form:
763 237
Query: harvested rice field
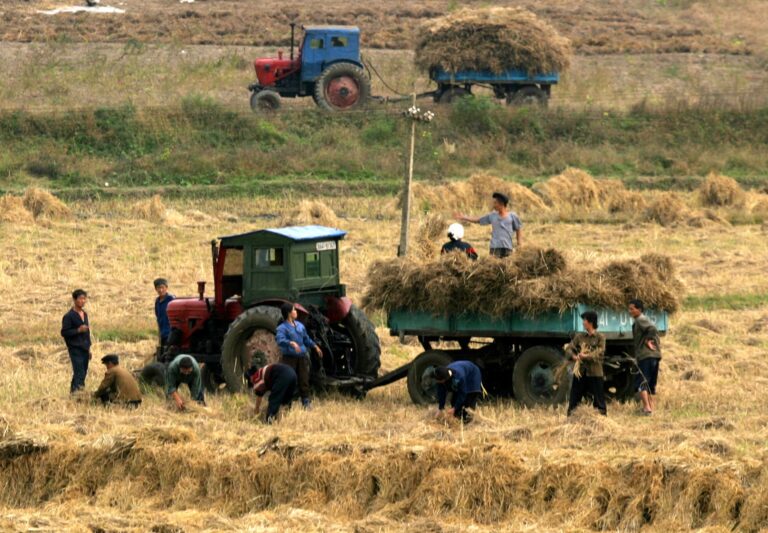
380 464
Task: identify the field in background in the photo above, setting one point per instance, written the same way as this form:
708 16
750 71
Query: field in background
380 464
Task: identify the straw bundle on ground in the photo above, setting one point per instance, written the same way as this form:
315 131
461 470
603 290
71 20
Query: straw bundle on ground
310 212
43 204
12 210
494 38
718 190
572 188
152 210
666 209
533 281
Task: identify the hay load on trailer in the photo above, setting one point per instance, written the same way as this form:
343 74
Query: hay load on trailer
512 317
495 39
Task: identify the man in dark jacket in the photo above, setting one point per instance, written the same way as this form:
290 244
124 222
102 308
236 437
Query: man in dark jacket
161 309
184 369
118 386
588 350
455 242
647 354
464 381
76 331
279 381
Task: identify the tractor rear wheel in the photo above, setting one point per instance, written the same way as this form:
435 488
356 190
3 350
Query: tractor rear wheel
534 377
342 87
422 389
367 346
265 101
529 95
237 355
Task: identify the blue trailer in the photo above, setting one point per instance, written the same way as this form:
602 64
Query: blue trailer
516 86
518 354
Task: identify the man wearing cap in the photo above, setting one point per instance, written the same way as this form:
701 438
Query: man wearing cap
455 244
503 224
294 343
161 309
119 385
464 381
184 369
279 381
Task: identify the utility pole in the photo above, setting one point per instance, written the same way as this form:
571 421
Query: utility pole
415 114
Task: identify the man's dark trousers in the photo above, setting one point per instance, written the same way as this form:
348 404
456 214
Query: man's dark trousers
79 358
587 384
283 388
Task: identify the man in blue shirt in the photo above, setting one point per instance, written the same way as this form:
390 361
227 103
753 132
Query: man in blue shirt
464 381
76 331
503 224
161 309
294 343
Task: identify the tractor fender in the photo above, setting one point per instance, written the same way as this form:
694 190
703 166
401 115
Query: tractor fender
277 302
337 309
336 62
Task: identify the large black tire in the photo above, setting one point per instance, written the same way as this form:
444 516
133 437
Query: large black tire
620 386
533 379
366 341
211 375
528 96
342 87
153 375
234 359
449 96
421 391
265 101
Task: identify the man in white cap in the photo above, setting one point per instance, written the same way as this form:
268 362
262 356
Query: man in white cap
455 234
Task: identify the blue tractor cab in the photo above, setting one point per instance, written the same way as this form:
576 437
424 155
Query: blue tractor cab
327 67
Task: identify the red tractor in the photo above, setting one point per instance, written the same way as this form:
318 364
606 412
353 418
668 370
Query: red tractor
254 273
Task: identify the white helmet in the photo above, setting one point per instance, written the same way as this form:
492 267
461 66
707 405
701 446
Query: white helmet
456 231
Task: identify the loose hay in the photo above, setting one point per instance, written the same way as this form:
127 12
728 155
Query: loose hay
152 210
432 228
719 191
533 281
12 210
43 204
666 209
573 187
495 39
310 212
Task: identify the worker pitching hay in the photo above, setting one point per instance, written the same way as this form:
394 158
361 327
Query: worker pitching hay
533 281
495 39
718 190
43 204
310 212
12 210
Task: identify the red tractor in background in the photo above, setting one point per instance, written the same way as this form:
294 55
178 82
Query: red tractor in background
254 274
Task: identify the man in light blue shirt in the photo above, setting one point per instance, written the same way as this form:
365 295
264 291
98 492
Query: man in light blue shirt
503 224
294 342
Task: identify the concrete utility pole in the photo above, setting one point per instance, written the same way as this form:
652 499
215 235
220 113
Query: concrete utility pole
416 115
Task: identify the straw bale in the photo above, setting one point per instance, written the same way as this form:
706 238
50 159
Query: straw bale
718 190
42 204
428 237
152 210
572 188
666 209
12 210
310 212
491 38
532 282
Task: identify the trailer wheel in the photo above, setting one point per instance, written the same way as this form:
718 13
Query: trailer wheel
451 95
424 391
367 346
533 379
342 87
153 375
529 95
620 386
236 358
265 101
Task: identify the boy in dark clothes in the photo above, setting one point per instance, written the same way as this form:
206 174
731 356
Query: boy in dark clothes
647 354
588 349
455 234
464 381
161 309
76 331
277 379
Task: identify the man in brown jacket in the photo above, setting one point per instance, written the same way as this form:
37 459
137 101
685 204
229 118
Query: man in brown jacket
587 350
118 385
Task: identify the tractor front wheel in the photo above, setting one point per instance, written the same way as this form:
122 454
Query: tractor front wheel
342 87
237 351
366 341
265 101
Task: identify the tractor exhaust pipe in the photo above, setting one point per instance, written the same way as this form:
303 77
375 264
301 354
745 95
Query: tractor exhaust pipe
293 29
201 290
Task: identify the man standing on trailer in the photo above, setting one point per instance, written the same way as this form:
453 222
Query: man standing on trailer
464 381
503 223
588 350
647 354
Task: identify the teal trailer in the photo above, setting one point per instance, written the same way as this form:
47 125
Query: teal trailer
517 353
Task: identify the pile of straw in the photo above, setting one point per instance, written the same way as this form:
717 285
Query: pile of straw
533 281
152 210
310 212
719 191
573 187
666 209
43 204
493 38
432 232
12 210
